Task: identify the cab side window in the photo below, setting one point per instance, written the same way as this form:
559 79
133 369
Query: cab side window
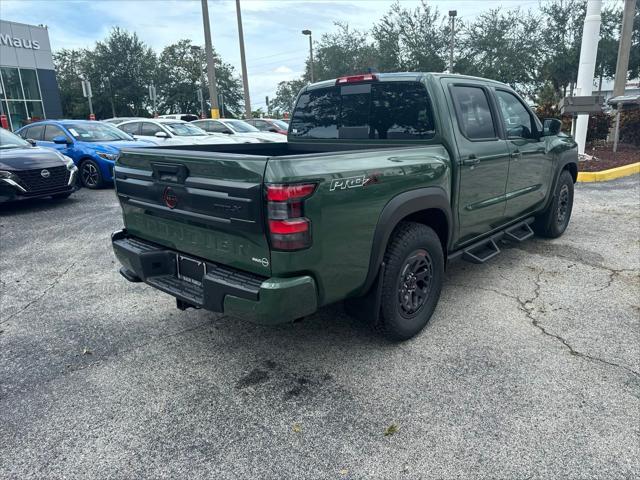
517 119
33 133
131 128
472 110
149 129
52 131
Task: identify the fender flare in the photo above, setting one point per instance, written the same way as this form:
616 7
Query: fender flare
394 211
560 166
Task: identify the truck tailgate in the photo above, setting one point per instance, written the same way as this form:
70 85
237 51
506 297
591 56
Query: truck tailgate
199 203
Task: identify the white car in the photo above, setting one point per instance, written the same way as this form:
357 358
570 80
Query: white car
238 129
164 131
187 117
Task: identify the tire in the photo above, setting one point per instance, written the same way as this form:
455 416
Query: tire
90 174
61 196
412 280
554 220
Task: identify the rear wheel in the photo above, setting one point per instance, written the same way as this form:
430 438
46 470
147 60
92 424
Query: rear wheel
412 281
554 220
90 174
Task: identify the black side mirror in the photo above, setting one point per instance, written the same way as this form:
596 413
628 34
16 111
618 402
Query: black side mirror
274 130
551 126
31 141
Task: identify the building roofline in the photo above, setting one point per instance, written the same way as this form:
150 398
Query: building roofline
26 24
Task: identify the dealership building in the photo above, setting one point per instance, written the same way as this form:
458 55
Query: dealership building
28 87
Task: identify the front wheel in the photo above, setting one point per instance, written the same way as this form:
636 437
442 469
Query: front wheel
554 220
411 282
90 174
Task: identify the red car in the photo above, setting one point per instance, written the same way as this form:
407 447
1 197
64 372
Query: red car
269 125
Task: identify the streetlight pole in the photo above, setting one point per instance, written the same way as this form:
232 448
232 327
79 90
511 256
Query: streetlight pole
308 32
452 16
624 50
86 91
243 61
211 71
195 49
587 66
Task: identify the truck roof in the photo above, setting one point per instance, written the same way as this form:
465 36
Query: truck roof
406 76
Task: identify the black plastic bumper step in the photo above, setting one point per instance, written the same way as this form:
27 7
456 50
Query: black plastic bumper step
193 281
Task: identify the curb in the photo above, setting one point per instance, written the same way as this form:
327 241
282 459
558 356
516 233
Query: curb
610 174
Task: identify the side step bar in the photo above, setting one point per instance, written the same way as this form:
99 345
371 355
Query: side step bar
482 252
487 248
519 232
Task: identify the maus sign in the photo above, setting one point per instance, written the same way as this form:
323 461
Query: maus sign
10 41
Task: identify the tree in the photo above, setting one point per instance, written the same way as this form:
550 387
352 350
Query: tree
607 56
504 46
344 52
120 69
286 95
182 71
411 39
563 21
68 64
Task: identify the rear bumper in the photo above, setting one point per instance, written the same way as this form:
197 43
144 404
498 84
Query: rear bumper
261 300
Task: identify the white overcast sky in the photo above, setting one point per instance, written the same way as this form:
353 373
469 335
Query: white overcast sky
275 48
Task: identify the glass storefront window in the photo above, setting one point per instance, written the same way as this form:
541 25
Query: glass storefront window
22 93
30 84
11 81
35 111
17 114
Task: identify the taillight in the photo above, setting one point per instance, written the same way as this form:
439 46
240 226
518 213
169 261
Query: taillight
288 228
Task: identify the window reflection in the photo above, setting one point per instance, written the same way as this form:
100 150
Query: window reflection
390 110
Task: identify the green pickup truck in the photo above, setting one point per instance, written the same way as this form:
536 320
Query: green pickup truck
385 178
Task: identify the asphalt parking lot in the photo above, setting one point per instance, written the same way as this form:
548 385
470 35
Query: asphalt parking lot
530 367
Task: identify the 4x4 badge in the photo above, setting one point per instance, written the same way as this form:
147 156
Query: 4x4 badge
262 261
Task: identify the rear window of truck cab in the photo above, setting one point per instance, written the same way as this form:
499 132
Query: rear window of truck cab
375 111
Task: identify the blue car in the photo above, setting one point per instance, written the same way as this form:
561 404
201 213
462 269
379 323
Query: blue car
93 146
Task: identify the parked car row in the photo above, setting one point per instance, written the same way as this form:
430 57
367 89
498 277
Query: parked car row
179 129
238 130
93 146
49 157
165 131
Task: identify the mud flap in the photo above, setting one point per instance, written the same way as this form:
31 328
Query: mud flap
367 307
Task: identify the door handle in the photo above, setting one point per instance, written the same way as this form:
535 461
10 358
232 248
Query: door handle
471 160
516 154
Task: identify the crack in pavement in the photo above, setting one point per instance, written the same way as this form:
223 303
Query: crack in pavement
39 297
526 306
613 274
